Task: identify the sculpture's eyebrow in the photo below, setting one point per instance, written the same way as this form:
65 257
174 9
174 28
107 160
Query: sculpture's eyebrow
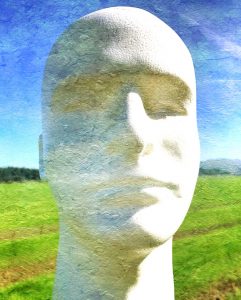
162 94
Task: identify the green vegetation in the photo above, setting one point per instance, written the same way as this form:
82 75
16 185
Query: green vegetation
37 288
11 174
26 205
28 240
207 252
212 172
207 256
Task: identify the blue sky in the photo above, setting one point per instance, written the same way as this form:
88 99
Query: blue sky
210 29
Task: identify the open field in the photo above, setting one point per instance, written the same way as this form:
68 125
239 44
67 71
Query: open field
207 248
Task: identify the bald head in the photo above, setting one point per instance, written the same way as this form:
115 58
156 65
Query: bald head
117 39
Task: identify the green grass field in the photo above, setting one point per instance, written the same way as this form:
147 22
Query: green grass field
207 248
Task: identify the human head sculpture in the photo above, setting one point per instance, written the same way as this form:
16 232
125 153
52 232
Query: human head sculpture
120 147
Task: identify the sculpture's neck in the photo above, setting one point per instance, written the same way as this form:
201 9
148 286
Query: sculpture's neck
98 273
155 276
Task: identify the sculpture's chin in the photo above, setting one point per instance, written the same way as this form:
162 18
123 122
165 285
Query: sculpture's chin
144 231
162 219
158 229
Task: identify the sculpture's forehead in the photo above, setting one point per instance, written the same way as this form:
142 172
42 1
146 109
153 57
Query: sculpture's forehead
118 39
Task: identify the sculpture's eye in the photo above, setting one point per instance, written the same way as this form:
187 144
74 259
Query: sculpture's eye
85 93
163 95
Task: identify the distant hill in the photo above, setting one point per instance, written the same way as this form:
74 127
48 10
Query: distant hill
220 167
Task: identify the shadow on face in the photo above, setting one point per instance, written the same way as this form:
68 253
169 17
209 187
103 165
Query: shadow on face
162 94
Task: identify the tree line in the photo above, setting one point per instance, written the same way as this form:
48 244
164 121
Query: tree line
11 174
212 172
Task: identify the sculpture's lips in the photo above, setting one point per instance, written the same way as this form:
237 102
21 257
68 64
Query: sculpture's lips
110 205
130 191
138 181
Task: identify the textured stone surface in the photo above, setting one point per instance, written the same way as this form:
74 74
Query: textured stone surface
121 152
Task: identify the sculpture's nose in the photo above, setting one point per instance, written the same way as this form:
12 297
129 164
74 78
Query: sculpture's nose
159 149
146 130
137 117
141 124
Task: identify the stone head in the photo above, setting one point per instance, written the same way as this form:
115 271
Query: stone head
120 142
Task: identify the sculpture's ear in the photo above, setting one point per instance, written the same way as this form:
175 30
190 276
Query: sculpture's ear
41 158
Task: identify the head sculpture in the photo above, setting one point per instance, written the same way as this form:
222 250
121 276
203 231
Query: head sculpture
120 148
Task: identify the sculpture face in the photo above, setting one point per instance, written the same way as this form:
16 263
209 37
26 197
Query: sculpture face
121 145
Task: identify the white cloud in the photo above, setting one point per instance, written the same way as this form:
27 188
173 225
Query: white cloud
223 42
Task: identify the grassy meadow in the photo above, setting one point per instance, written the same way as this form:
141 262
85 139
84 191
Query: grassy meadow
206 254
